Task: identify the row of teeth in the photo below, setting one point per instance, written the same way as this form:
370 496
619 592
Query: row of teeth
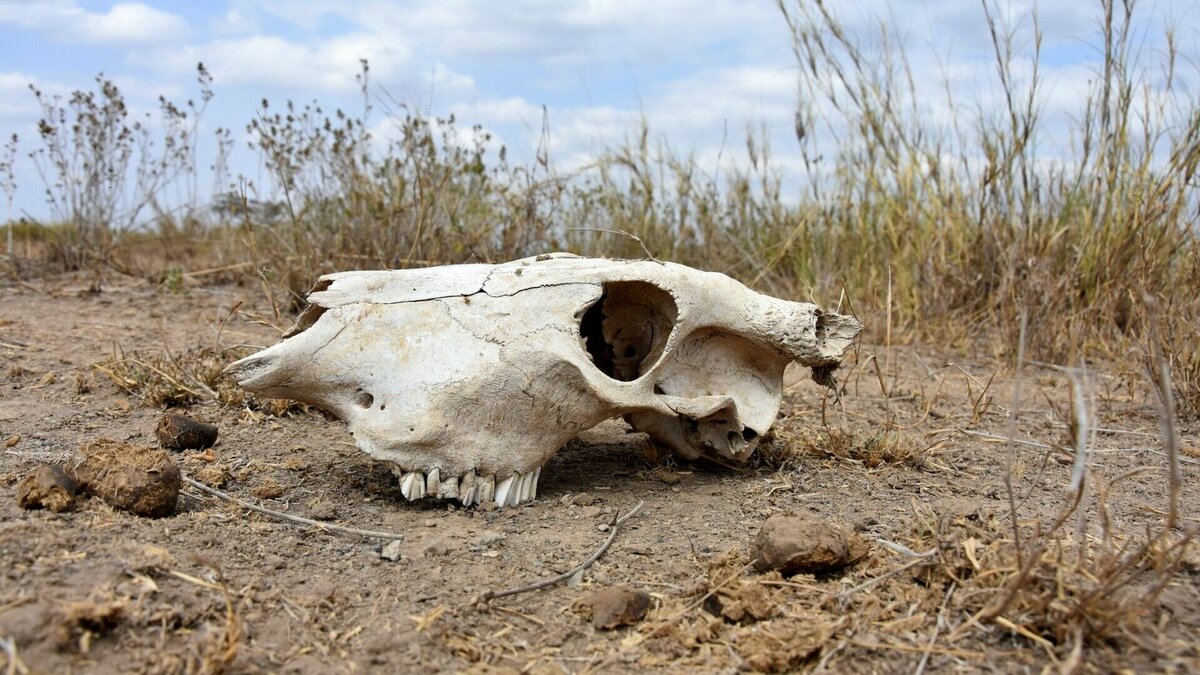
470 488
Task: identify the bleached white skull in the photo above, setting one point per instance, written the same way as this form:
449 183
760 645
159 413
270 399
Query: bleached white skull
470 377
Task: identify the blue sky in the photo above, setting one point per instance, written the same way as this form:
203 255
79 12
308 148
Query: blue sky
699 72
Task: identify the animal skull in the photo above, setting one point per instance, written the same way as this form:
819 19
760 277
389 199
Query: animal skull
470 377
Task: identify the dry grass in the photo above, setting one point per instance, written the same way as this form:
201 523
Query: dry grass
871 449
1066 596
162 379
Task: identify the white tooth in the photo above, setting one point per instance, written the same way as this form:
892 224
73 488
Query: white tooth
526 487
486 489
515 495
413 486
537 475
518 489
433 481
504 487
468 490
406 486
449 488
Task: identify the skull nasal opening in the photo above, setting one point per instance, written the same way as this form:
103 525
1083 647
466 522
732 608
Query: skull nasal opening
626 330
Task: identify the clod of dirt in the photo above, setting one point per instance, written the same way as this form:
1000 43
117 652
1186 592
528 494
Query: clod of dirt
50 487
180 432
617 606
134 478
794 544
12 441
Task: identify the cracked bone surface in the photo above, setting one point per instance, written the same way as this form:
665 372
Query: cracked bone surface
470 377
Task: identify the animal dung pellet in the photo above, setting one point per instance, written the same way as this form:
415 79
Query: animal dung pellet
180 432
795 544
135 478
48 487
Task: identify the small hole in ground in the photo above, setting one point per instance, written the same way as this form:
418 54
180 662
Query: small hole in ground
364 399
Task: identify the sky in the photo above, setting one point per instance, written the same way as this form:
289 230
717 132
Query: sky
698 72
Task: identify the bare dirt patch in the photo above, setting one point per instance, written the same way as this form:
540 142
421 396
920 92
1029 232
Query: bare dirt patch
919 474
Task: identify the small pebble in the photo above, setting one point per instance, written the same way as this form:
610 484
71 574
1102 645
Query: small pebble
489 537
435 548
617 606
391 551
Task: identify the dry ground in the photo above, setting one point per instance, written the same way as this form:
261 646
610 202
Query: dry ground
216 587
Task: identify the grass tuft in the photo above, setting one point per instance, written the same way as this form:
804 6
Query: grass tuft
162 380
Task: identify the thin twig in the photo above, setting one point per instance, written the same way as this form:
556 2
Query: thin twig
828 656
523 615
937 627
15 664
1006 439
1012 433
538 585
288 517
649 255
1160 377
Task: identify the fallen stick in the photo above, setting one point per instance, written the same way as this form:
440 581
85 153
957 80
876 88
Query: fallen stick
288 517
538 585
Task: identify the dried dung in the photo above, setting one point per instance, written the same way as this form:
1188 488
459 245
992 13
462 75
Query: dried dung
617 606
49 487
134 478
794 544
180 432
781 646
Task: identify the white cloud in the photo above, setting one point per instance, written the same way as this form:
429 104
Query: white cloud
691 113
552 31
15 98
235 22
272 61
123 24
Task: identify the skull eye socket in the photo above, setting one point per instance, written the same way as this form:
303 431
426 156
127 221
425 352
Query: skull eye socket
626 330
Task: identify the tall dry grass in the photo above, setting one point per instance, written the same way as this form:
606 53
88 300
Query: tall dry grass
951 228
